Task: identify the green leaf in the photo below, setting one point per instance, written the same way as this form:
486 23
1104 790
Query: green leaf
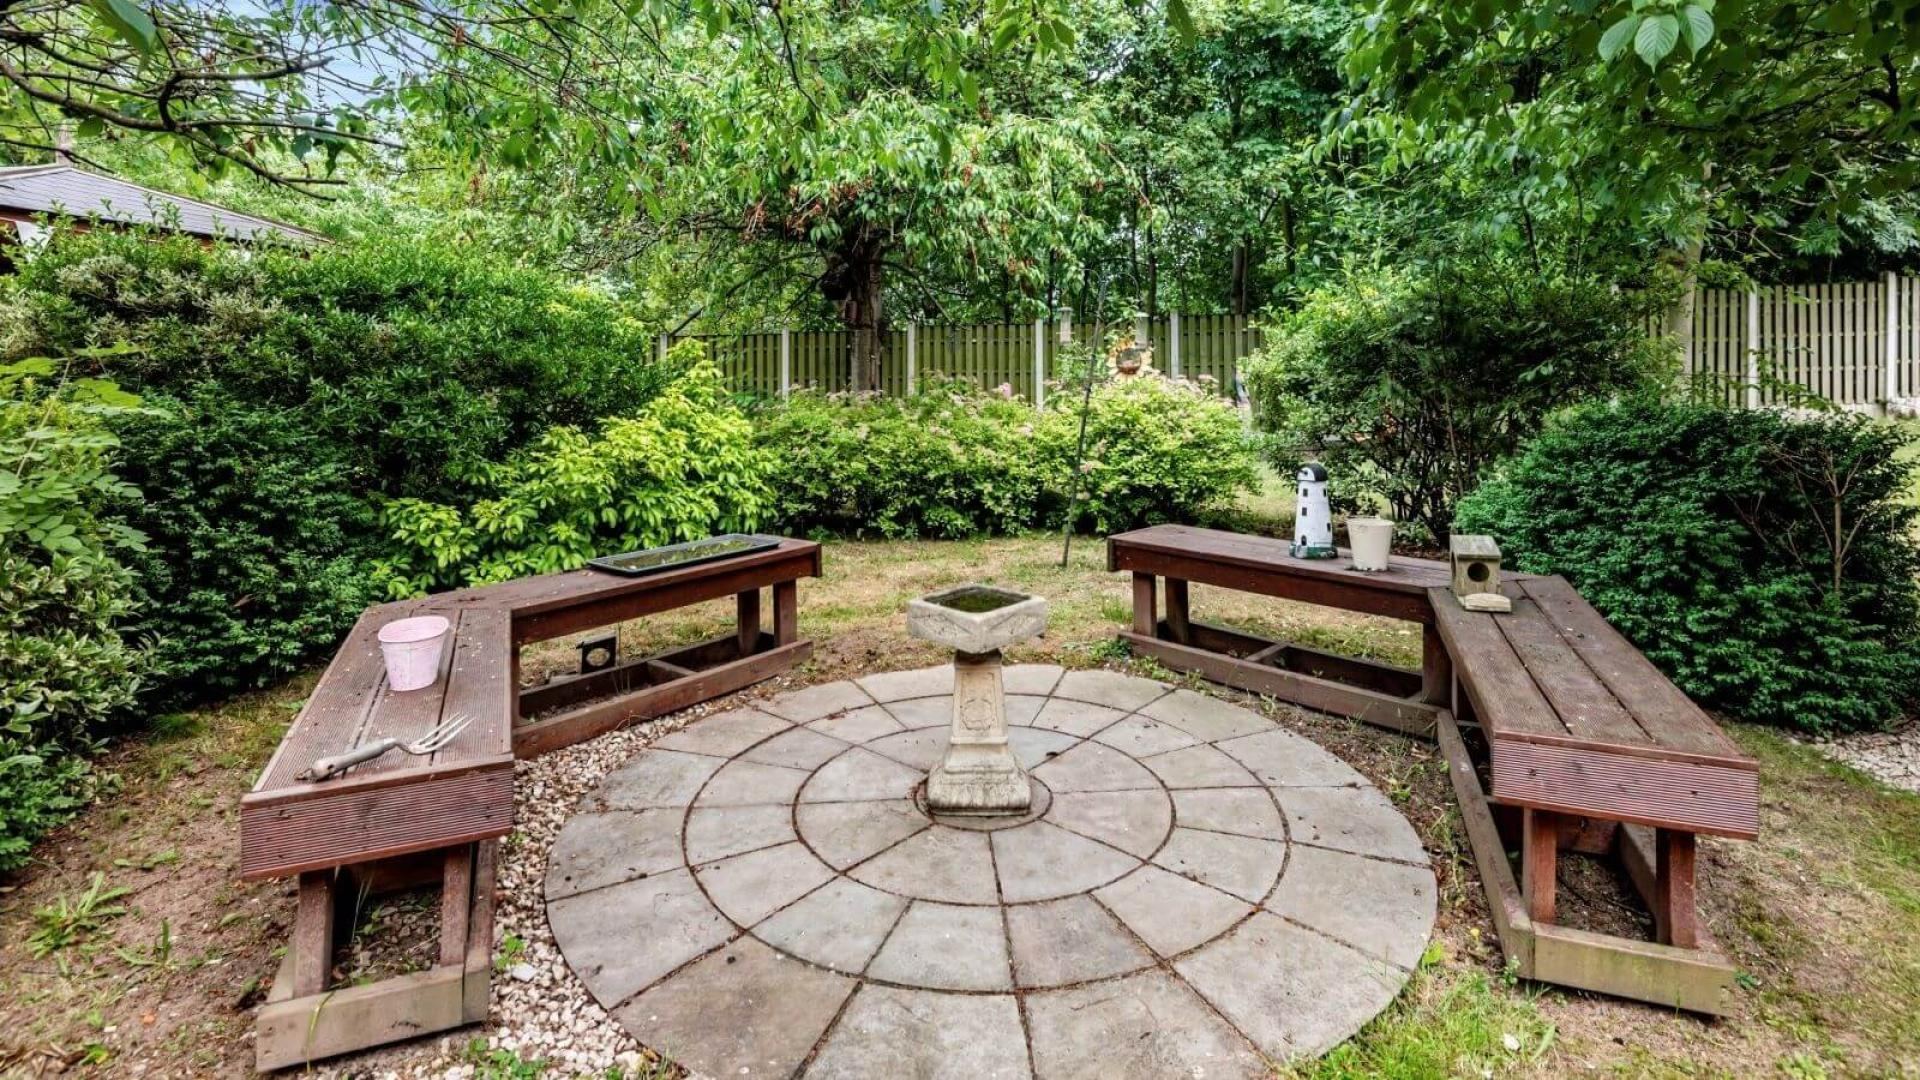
1698 27
1181 19
1617 36
126 19
1656 38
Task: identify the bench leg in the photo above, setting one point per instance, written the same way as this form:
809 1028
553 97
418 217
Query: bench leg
1539 861
312 945
1145 618
1436 669
786 612
1177 604
749 621
1676 918
456 903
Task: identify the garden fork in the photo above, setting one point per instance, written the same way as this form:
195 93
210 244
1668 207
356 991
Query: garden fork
329 767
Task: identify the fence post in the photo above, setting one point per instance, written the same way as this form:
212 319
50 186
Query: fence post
913 359
1173 342
786 363
1141 331
1893 339
660 349
1039 363
1753 348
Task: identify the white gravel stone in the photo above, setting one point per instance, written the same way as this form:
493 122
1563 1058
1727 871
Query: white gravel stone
1892 757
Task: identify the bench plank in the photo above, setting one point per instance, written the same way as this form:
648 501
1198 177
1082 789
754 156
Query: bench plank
1584 705
1668 716
1505 697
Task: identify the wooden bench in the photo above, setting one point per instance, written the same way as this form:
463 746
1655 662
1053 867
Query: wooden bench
1400 698
1589 747
1593 749
401 821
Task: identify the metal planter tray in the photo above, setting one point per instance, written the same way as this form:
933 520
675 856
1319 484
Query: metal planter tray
691 553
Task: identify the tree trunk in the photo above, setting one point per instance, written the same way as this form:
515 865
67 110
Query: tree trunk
855 282
1242 257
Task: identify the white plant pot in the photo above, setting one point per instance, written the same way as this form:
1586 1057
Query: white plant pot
1372 540
412 650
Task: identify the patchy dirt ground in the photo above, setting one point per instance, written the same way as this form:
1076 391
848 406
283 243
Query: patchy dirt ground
1822 914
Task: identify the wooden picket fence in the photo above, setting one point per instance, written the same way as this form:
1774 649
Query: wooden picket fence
1853 344
1023 356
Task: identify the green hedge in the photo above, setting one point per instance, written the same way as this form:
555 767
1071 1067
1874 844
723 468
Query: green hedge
297 391
1707 536
956 462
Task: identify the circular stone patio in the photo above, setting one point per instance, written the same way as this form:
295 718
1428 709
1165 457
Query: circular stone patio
761 893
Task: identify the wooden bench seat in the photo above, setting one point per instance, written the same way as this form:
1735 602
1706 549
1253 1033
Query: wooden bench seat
401 821
1585 736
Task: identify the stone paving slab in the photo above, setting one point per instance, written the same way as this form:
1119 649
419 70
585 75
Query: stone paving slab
1170 913
845 833
838 926
1042 861
726 734
826 914
1144 1025
1242 811
1136 822
890 1032
946 947
622 938
1377 907
719 832
597 850
1109 688
751 887
744 1010
1241 865
951 865
860 725
1204 717
1300 1008
798 748
749 783
1355 819
900 685
1074 717
1071 940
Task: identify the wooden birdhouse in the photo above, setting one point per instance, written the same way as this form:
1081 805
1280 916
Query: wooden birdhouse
1476 573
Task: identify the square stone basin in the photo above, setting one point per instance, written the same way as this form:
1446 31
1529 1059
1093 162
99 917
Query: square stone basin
976 619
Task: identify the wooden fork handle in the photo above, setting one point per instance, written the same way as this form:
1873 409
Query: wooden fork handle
327 768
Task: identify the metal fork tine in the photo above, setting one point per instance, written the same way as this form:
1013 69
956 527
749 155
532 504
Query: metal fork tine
442 735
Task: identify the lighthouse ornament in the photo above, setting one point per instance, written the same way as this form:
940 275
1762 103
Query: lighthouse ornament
1312 518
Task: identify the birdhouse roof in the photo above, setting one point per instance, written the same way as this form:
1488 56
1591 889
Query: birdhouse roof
1313 470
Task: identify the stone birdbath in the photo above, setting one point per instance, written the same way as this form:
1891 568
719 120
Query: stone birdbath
978 775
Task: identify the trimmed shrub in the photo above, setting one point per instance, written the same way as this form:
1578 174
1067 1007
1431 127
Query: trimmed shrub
956 462
66 667
300 389
1413 385
1765 563
681 468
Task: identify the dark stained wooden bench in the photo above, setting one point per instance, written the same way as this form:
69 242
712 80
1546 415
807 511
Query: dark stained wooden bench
401 821
1588 746
1597 751
1381 694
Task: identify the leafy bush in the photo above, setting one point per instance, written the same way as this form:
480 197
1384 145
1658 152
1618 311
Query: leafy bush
1415 384
66 668
681 468
945 463
954 461
300 389
1767 564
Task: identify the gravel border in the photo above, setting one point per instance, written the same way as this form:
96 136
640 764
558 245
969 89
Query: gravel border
539 1011
1892 757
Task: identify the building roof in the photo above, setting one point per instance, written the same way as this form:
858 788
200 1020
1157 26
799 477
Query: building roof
67 191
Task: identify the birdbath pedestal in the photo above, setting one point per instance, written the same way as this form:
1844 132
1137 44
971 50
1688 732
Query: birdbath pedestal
978 775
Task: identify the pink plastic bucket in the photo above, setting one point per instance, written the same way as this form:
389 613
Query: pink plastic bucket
412 648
